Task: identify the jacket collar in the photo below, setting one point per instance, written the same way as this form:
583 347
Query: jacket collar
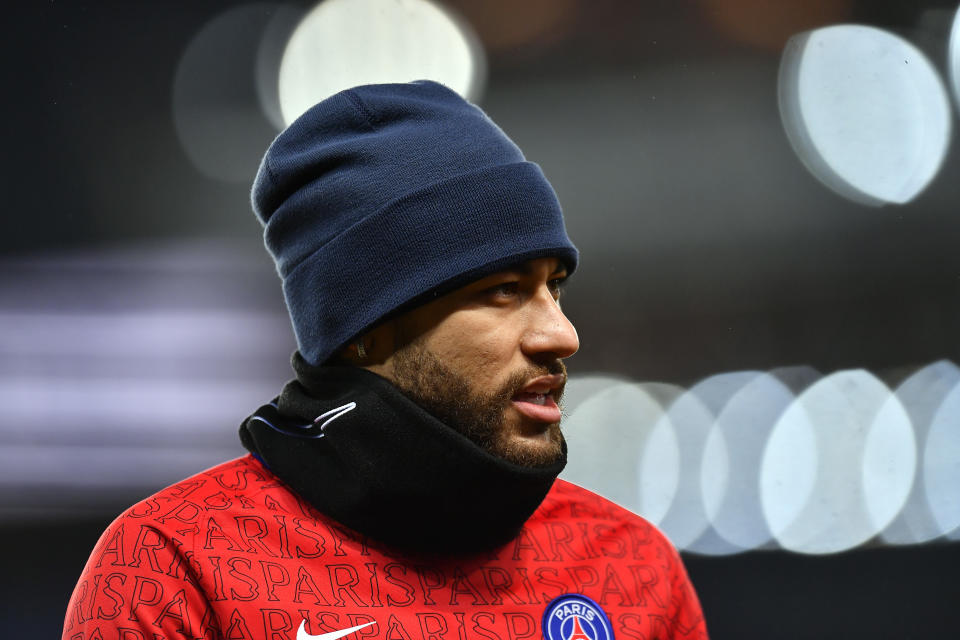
361 452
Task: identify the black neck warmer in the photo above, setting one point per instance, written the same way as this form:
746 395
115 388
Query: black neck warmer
361 452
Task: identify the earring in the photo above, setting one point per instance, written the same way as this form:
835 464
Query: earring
361 350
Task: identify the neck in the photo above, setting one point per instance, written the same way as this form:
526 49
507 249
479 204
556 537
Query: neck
388 469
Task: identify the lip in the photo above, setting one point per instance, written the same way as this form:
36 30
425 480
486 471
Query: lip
545 384
537 401
548 412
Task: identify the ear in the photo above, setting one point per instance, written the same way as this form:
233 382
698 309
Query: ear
372 350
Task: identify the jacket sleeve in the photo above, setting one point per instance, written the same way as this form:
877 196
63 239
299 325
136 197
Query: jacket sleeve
685 615
140 583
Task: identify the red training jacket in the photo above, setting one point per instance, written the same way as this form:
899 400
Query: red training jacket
233 553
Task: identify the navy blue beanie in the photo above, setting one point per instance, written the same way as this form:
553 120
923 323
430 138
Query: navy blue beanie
383 195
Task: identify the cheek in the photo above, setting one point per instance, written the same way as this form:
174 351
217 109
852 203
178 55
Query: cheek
476 349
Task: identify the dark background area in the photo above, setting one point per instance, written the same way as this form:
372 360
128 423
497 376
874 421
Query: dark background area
706 245
658 127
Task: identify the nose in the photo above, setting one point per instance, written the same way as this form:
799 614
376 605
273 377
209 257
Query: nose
550 333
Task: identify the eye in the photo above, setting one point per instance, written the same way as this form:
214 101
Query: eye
556 287
504 289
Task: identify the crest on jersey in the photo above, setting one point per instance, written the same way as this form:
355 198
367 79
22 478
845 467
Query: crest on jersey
575 617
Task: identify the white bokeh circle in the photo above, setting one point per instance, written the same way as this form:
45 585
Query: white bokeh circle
686 423
716 461
746 460
732 494
923 394
344 43
866 112
607 433
941 470
838 466
273 43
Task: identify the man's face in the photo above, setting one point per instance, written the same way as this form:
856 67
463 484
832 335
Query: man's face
486 359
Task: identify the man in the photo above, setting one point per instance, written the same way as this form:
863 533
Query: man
403 487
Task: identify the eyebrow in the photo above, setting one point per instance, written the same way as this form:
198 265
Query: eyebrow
526 268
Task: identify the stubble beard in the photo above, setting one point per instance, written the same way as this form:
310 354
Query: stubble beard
449 397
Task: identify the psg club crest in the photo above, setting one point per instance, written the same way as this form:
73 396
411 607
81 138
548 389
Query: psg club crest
575 617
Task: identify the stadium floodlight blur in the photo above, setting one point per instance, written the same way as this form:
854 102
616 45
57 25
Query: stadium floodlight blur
343 43
255 67
123 370
614 424
839 464
926 396
687 421
734 450
218 105
941 472
785 458
865 111
694 416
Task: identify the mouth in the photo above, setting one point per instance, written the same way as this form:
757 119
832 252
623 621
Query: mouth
537 400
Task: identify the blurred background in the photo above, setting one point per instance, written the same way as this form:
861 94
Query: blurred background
765 195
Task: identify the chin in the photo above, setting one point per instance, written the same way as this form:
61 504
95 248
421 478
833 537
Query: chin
523 427
539 434
541 448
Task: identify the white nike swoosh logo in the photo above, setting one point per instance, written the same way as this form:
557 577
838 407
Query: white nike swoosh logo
333 635
326 418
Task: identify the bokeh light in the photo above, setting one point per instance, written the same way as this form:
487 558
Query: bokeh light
922 395
838 466
273 43
715 465
613 426
122 370
689 418
865 111
732 492
941 472
755 460
343 43
217 111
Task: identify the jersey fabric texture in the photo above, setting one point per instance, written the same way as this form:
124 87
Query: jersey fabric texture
233 553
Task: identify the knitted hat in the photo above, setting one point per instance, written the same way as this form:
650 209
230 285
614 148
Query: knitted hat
382 195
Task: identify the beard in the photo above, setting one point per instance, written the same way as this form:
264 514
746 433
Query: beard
450 397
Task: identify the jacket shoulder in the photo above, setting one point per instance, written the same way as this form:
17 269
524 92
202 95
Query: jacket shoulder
576 502
618 535
149 559
596 520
